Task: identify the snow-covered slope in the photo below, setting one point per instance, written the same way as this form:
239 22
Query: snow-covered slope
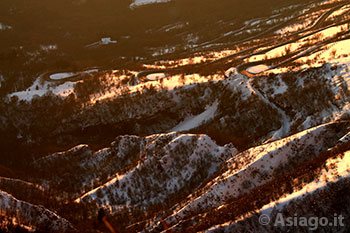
169 164
335 172
227 122
40 88
193 122
32 216
259 165
80 169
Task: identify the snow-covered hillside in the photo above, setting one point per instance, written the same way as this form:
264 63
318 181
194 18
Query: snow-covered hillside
160 165
169 163
259 165
209 121
336 172
32 216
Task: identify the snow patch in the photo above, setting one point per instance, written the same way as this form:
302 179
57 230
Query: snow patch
196 121
59 76
155 76
137 3
257 69
4 27
39 89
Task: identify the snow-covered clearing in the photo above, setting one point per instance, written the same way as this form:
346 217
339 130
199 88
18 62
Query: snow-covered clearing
65 75
59 76
155 76
39 89
163 50
196 121
257 69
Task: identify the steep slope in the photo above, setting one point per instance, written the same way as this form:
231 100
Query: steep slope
169 164
33 216
80 169
325 190
257 166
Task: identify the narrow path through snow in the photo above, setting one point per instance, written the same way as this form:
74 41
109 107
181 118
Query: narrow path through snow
285 128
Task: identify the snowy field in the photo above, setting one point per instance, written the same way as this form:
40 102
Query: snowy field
257 69
64 75
195 121
59 76
39 89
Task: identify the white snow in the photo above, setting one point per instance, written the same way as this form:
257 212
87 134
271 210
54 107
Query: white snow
164 50
102 41
39 89
162 151
257 69
282 88
59 76
64 75
337 53
155 76
263 160
4 27
196 121
285 128
169 83
90 71
48 47
170 27
315 38
294 27
146 2
108 40
32 215
341 11
198 58
345 138
337 168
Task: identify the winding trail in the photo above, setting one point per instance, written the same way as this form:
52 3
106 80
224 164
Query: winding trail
296 55
285 128
239 56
